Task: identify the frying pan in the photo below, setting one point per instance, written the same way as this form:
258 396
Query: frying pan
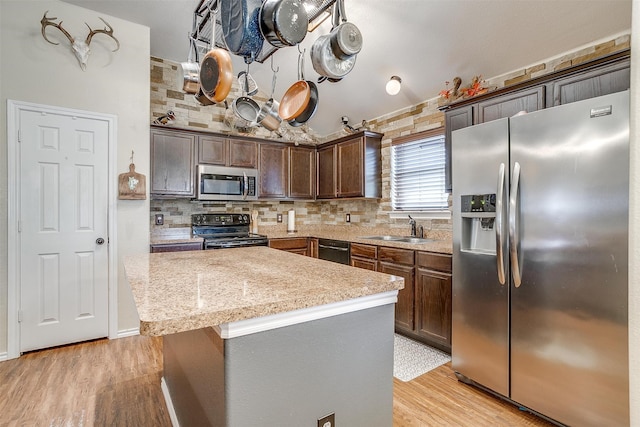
295 99
216 74
240 27
245 107
216 70
283 22
311 108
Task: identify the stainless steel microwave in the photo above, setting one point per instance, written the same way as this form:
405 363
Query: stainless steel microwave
225 183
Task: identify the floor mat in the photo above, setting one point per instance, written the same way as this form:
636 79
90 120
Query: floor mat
412 359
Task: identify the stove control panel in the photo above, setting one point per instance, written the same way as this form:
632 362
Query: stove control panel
220 219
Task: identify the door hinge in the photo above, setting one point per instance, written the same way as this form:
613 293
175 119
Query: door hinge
19 139
19 226
19 316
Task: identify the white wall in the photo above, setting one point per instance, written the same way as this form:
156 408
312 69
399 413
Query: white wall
117 83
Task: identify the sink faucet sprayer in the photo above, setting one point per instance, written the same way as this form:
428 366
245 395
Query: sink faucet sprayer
415 230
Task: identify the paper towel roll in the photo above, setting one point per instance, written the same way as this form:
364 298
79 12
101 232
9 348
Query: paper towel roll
291 221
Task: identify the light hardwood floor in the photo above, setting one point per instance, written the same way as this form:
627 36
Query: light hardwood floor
117 383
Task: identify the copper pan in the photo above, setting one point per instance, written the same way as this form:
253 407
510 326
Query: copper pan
296 98
216 74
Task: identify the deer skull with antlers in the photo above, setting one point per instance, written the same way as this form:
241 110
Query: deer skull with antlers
80 48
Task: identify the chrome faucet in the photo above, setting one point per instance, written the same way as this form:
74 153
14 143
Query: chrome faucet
420 232
412 223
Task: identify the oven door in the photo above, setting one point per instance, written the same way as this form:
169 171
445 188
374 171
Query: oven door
223 183
234 243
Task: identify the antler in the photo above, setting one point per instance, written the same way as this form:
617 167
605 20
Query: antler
108 32
49 21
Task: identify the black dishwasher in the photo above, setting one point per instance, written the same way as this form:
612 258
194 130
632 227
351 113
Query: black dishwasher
334 250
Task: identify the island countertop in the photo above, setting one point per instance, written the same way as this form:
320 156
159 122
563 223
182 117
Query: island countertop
182 291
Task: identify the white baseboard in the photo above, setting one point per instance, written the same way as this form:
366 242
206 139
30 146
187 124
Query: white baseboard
132 332
4 356
167 399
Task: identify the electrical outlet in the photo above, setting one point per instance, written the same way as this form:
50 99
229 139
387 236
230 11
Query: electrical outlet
348 218
159 219
327 420
279 218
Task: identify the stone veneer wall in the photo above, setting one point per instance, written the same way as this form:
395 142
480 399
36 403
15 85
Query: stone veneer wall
423 116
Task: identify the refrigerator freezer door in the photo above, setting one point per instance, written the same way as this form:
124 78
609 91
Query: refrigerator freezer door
569 352
480 317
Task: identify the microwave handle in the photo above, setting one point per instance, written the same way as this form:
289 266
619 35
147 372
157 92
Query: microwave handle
245 193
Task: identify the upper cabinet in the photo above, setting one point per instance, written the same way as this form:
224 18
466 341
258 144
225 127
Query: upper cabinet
172 163
219 150
600 77
350 167
286 172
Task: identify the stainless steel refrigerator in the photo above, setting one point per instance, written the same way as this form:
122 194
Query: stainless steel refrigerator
540 233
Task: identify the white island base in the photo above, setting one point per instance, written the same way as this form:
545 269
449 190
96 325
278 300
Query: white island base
286 370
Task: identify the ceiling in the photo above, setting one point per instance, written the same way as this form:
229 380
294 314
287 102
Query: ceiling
425 42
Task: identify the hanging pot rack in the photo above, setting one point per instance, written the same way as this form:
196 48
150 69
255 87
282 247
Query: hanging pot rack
201 37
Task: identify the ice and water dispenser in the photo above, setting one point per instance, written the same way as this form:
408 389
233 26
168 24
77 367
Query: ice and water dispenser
478 215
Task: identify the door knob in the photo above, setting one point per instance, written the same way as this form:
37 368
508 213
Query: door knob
99 240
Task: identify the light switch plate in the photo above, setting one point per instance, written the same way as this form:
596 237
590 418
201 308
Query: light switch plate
327 421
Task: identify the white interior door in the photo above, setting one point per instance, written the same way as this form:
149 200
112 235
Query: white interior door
63 199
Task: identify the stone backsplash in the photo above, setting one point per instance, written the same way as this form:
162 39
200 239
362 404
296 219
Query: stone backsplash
423 116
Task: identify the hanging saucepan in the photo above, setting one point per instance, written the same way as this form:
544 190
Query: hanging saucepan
312 105
216 69
189 72
326 63
295 99
283 22
268 115
241 27
346 39
245 107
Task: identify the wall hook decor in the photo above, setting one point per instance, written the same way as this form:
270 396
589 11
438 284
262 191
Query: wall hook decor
80 48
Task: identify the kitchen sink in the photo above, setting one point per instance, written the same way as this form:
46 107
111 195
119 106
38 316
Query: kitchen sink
405 239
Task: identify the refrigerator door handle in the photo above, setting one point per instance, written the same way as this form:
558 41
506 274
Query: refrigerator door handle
514 237
499 226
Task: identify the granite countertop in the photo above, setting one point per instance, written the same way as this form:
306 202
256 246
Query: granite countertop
441 243
181 291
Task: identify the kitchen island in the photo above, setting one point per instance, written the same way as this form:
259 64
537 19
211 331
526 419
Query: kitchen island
256 336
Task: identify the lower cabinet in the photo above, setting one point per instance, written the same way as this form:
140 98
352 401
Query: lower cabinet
423 310
296 245
433 307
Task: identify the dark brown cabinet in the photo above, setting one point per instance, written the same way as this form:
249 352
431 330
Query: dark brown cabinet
599 77
423 310
172 163
286 172
400 262
217 150
273 176
433 299
326 175
364 256
350 167
589 84
302 172
296 245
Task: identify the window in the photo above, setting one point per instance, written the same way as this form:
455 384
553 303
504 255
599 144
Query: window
417 172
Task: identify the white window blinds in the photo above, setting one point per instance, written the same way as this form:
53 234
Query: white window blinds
417 173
